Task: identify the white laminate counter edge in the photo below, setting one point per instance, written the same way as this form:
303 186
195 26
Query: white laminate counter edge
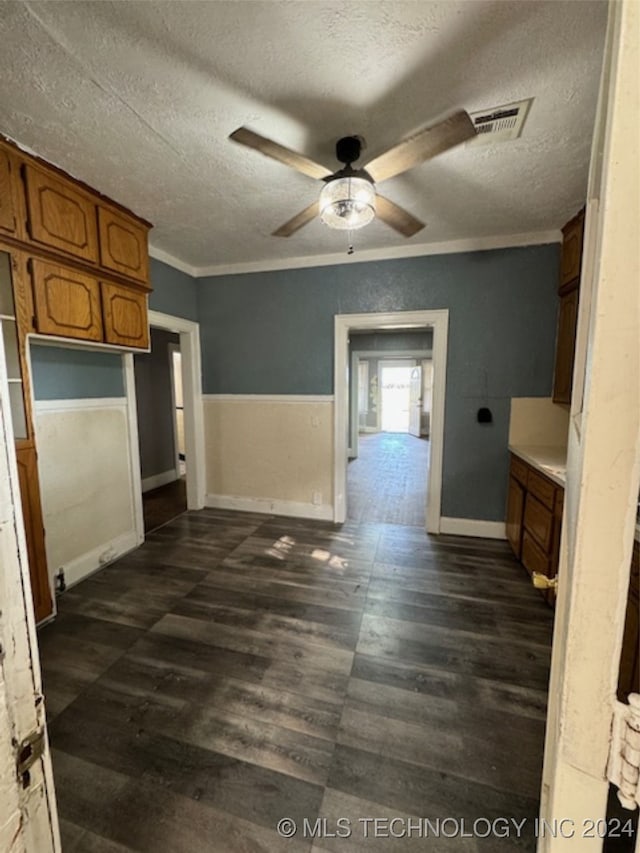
550 461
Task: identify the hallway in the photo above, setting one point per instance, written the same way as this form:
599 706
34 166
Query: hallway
388 481
238 669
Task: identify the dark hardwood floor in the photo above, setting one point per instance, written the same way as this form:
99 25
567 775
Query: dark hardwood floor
238 669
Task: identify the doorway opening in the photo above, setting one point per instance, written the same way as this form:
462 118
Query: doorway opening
389 416
387 472
181 447
158 381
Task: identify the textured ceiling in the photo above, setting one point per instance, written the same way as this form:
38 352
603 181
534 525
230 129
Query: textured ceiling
138 98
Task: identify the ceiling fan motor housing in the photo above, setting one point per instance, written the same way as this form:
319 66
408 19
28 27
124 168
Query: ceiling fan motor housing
348 149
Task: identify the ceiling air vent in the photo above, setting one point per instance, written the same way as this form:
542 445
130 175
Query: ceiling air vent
498 124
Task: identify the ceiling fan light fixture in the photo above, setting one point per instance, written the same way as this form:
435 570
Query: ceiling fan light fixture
347 203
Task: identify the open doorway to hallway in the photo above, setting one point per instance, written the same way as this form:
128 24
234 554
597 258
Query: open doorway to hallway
160 413
390 409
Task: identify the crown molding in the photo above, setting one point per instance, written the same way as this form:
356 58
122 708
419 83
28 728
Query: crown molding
448 247
172 261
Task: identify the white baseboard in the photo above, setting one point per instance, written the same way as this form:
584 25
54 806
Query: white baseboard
365 430
78 569
473 527
270 506
157 480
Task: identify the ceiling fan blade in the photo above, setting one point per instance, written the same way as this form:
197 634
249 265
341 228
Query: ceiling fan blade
423 145
303 218
397 217
272 149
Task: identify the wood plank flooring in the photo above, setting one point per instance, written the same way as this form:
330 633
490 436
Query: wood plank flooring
238 669
388 481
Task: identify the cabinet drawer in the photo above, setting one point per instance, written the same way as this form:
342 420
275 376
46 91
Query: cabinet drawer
519 469
571 249
538 521
123 244
67 303
542 488
126 320
533 557
59 215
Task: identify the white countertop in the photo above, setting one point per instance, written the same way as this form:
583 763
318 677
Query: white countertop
550 461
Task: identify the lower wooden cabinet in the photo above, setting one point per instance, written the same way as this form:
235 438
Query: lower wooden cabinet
534 520
67 303
34 531
515 510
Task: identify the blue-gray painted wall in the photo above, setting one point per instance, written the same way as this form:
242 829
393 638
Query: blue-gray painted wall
62 373
272 333
174 292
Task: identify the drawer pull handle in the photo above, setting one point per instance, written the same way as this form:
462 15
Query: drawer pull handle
541 581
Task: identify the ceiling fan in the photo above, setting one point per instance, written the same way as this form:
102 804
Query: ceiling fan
349 199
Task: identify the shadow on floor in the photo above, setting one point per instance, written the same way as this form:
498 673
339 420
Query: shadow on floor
164 504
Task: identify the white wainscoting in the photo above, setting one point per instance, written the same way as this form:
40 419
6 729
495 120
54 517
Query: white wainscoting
87 484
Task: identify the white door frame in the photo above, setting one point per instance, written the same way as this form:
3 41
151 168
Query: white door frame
343 323
193 412
173 348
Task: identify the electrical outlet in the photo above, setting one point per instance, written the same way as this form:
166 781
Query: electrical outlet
316 498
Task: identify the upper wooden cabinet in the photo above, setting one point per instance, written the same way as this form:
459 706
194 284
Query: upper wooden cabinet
89 256
60 215
67 302
572 234
8 211
565 346
569 293
125 316
123 244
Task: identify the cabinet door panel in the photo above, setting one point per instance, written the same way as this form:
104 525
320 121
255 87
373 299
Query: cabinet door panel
515 508
8 216
123 245
125 316
571 250
538 521
533 557
565 347
67 303
34 531
60 216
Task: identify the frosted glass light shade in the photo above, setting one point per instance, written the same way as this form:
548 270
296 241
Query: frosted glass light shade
347 203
